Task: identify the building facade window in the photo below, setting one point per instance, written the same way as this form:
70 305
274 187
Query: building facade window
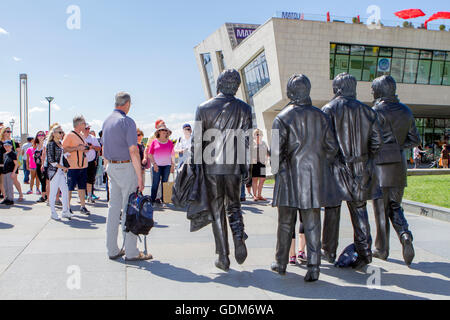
256 76
209 72
416 66
434 132
221 61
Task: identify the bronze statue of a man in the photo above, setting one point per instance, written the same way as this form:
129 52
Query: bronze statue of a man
359 137
222 119
304 143
399 128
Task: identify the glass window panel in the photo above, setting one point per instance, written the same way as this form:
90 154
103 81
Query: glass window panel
425 54
437 69
341 48
385 52
383 67
439 123
372 51
446 74
439 55
448 56
341 64
397 69
357 50
370 68
356 66
332 47
399 53
256 75
331 66
412 53
207 64
410 71
420 122
423 71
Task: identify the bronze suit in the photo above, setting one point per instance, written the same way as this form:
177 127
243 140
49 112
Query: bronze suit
359 138
224 113
398 125
304 180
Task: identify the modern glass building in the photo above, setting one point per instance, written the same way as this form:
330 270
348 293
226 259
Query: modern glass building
267 55
405 65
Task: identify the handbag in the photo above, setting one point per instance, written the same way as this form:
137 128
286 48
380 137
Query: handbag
167 190
389 152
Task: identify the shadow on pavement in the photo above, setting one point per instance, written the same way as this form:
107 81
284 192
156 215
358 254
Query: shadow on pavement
253 210
417 283
4 226
291 285
85 222
442 268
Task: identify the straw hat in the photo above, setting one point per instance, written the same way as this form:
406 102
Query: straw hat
162 126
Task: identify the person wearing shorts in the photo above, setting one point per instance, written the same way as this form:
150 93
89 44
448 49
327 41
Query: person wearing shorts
75 144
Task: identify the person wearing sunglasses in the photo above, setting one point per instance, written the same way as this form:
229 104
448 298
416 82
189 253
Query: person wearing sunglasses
5 135
183 146
57 173
38 155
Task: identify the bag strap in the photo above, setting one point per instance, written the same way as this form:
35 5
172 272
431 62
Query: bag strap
78 152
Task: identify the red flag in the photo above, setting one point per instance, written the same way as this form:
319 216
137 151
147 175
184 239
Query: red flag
438 15
410 13
328 17
359 20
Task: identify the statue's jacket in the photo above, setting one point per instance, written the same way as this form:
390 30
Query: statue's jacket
398 125
304 143
359 137
229 116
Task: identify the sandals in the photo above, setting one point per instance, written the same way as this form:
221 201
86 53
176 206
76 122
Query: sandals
262 199
117 256
140 257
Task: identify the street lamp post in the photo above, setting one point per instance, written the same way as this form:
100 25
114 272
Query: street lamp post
49 99
11 123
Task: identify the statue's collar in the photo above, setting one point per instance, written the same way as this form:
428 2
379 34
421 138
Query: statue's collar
393 99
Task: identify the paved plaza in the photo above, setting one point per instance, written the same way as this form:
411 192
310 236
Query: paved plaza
45 259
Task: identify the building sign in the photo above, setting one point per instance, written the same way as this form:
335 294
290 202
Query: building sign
242 33
290 15
384 65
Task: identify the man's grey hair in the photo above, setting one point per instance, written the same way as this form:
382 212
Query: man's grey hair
122 98
78 120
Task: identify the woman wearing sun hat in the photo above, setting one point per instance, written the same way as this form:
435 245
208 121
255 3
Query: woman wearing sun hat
162 158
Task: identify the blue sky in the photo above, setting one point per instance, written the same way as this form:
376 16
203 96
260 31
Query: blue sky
144 47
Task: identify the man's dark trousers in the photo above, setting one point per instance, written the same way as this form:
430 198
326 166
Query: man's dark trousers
286 225
224 192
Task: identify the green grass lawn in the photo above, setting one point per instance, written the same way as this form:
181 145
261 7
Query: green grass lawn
433 190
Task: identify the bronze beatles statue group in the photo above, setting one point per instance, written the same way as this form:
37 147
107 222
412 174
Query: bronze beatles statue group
345 152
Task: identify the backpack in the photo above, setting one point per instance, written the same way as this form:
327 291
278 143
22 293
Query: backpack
139 217
347 258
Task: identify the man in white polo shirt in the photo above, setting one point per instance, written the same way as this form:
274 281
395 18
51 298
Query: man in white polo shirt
91 157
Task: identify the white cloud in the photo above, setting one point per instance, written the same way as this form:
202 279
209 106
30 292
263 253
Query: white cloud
37 109
3 31
56 107
17 59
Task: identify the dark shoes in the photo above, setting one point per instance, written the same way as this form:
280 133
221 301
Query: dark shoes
240 250
41 200
7 202
312 274
330 257
380 255
223 263
408 250
85 211
361 262
276 267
